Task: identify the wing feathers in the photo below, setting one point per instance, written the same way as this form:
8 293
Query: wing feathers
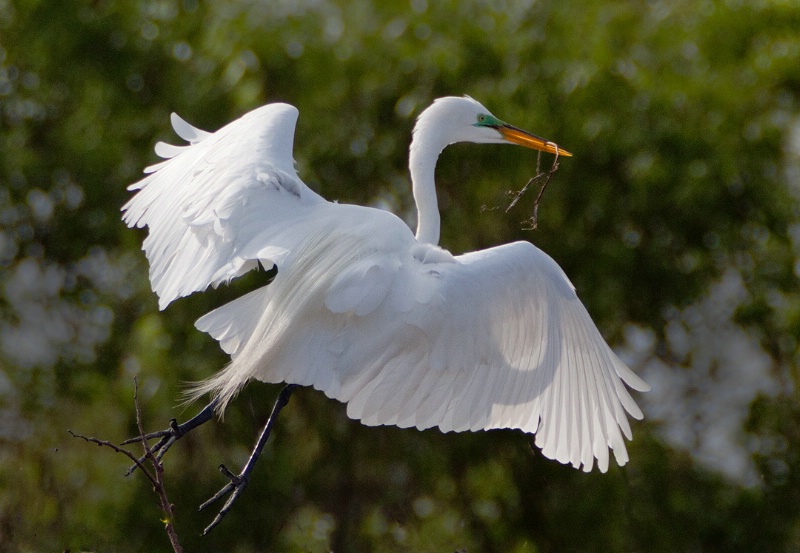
211 199
232 324
508 346
186 131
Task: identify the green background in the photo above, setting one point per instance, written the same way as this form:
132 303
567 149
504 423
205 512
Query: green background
677 219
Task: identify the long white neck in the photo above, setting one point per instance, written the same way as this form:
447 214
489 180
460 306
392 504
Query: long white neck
426 146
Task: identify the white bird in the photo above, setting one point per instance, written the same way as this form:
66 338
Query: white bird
390 323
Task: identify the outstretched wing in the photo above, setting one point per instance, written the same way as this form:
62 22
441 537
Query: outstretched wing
212 206
491 339
508 344
499 340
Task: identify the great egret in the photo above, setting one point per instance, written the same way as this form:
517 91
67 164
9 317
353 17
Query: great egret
388 322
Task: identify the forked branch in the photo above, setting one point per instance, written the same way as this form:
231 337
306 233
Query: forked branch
155 476
533 221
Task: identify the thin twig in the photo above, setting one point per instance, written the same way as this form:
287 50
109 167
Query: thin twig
118 449
522 190
534 220
172 434
156 477
159 486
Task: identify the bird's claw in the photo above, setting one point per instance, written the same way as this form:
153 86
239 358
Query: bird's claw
168 438
173 429
236 484
171 435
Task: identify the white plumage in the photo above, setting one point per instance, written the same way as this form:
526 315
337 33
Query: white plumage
401 330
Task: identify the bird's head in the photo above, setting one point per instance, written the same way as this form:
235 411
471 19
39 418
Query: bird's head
463 119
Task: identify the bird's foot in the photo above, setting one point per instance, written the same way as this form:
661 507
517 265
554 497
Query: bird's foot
236 485
172 434
237 482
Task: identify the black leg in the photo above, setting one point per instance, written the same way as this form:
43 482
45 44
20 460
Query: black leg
238 482
173 433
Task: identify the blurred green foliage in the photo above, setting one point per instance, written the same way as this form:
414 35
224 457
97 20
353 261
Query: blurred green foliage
684 119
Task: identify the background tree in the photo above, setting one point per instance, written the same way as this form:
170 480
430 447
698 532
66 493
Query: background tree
677 220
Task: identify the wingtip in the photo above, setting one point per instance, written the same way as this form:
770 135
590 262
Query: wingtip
186 130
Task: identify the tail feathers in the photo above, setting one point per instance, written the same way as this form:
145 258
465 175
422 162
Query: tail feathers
223 386
232 325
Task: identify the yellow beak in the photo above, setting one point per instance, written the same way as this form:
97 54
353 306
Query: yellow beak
523 138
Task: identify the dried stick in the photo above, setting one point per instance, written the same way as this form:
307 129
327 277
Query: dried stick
156 477
534 220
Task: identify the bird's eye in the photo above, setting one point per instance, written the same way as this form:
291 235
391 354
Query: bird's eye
481 118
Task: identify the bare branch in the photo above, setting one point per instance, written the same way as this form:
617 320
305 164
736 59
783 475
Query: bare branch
118 449
156 477
533 221
159 486
172 434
